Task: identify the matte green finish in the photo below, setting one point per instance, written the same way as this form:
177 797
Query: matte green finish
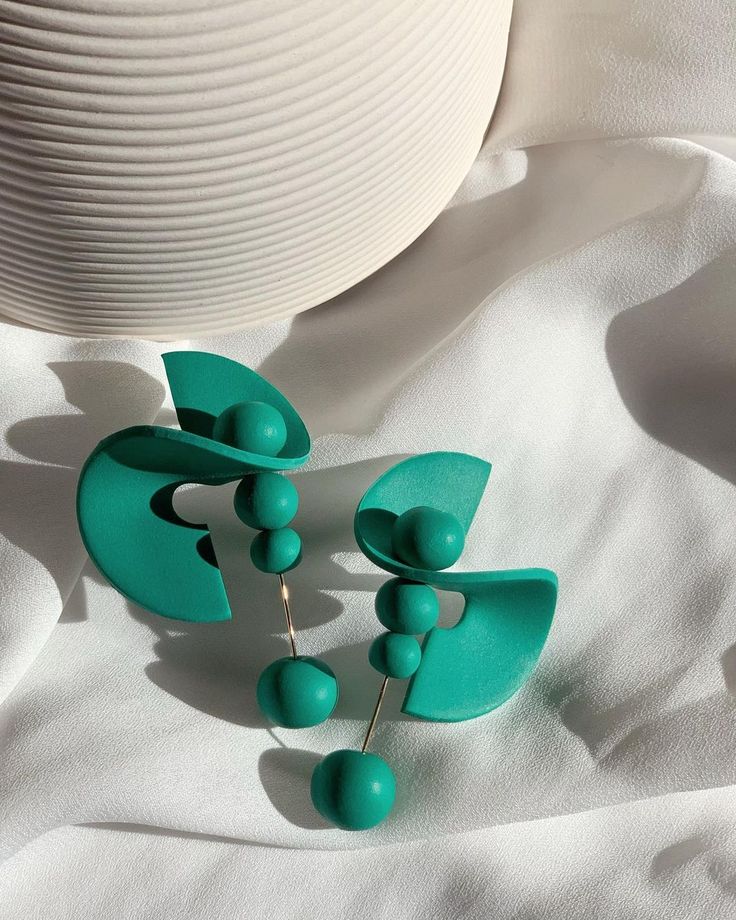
266 501
254 426
427 538
276 551
125 490
203 385
395 655
297 692
408 607
353 791
475 666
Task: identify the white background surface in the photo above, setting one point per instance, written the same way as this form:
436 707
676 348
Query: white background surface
570 316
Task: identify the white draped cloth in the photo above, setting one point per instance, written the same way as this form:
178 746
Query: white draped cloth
570 316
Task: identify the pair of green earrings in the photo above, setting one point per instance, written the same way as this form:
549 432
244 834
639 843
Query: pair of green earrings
412 522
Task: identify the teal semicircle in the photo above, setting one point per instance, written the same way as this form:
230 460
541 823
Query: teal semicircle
475 666
125 490
490 653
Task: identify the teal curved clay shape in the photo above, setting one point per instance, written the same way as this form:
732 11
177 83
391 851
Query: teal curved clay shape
203 385
124 496
475 666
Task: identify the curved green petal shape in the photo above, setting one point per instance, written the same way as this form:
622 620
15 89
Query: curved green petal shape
203 385
490 653
475 666
125 490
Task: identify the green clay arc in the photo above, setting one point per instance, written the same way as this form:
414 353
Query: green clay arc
475 666
124 510
203 385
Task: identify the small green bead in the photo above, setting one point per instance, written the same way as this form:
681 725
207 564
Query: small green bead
253 426
276 551
266 501
427 538
395 655
297 692
408 607
352 790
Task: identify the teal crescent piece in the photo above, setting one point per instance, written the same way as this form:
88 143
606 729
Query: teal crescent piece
475 666
124 496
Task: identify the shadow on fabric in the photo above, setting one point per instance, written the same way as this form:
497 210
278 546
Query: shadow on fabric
674 363
33 518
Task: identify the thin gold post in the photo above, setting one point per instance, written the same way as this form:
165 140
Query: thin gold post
287 612
374 717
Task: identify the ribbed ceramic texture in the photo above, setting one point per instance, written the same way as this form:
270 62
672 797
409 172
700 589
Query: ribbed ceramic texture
172 168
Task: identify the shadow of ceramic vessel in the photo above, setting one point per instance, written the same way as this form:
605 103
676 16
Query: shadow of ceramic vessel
673 359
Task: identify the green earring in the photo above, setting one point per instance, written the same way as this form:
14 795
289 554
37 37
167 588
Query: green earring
412 522
233 425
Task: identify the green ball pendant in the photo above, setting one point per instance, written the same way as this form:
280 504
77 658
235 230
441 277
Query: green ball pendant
395 655
352 790
253 426
297 692
276 551
266 501
408 607
427 538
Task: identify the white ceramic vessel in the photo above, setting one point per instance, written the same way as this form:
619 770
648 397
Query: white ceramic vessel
173 167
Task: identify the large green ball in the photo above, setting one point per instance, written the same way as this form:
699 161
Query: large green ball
297 692
266 501
427 538
353 791
276 551
395 655
408 607
253 426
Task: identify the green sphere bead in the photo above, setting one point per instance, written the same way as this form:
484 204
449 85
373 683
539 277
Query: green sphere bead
276 551
395 655
253 426
266 501
427 538
353 791
297 692
408 607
